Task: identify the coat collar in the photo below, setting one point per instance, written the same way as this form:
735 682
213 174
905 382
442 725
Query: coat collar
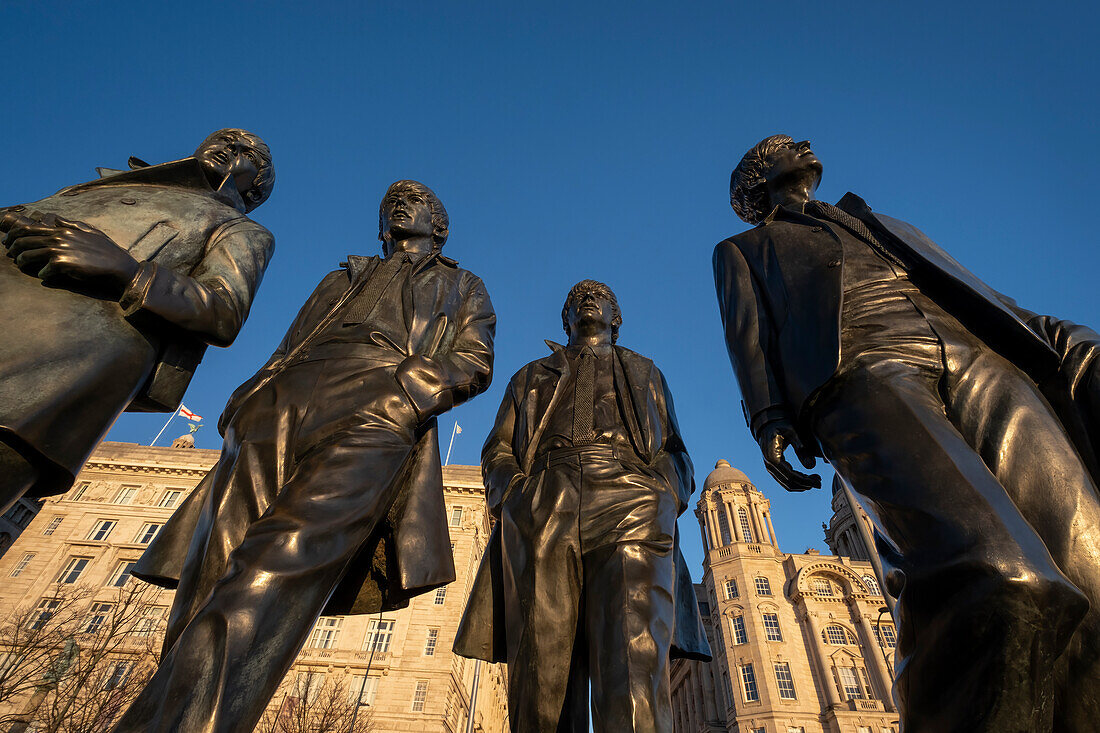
186 173
850 203
356 265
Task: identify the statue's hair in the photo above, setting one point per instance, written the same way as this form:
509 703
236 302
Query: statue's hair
748 192
264 181
440 223
593 286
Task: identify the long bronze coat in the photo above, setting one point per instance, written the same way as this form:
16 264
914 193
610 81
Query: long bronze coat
75 361
451 321
508 457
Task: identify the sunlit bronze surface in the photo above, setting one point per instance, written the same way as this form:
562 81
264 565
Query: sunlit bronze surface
966 424
583 577
112 290
329 491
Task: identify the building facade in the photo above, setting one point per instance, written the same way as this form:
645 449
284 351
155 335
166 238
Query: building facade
802 643
15 520
397 665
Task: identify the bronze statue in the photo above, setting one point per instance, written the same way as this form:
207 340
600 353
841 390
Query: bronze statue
586 474
966 424
117 287
328 495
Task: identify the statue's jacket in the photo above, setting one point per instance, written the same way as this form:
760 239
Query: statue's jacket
508 459
446 360
779 293
82 358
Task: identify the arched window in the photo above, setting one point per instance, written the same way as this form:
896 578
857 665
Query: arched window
885 635
822 587
724 525
872 585
731 589
837 635
763 587
743 520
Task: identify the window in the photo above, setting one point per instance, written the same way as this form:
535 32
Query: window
748 683
837 635
325 632
885 635
822 587
441 596
80 490
743 520
119 674
420 695
43 613
456 516
763 587
53 525
379 634
307 686
704 609
99 615
169 499
22 565
19 515
147 533
863 729
724 526
429 645
728 688
785 681
148 620
771 627
849 682
758 729
102 529
363 692
126 494
737 627
872 585
731 589
73 569
121 573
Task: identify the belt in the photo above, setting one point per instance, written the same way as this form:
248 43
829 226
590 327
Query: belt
558 456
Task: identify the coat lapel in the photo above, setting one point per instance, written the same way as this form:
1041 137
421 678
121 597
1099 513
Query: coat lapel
553 370
634 373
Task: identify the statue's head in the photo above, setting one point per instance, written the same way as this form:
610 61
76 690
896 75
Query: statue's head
773 163
591 308
242 156
411 209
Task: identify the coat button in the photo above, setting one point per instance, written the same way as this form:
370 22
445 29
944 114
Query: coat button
834 263
817 229
128 201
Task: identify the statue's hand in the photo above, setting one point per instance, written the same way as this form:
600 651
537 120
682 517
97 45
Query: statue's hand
60 249
774 439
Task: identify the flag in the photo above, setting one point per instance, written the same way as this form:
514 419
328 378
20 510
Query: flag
188 414
458 428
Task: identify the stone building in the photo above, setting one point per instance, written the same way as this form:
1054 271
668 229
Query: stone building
92 535
15 520
801 642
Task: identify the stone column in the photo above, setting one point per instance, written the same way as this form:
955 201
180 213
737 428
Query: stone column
771 529
824 665
731 517
871 648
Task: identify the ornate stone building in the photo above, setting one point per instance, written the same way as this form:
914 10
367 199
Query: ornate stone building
802 643
92 535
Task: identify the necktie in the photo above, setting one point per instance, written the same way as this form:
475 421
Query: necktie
362 304
822 210
583 398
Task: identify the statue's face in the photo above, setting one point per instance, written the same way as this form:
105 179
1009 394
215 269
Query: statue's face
227 155
407 214
790 162
590 313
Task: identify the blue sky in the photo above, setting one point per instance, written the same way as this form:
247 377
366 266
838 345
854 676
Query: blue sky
572 140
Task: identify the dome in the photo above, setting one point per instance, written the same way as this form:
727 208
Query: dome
184 441
724 473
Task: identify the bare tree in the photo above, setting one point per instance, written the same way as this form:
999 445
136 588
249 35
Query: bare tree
318 703
74 660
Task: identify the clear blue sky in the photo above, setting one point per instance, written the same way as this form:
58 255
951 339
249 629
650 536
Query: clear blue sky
571 140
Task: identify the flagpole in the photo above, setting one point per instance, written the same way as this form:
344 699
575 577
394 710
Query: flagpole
171 417
447 462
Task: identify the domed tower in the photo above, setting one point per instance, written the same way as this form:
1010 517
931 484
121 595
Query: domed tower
734 515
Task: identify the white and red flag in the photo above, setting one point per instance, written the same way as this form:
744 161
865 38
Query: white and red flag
188 414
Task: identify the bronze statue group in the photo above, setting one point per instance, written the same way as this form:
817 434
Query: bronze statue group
966 425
